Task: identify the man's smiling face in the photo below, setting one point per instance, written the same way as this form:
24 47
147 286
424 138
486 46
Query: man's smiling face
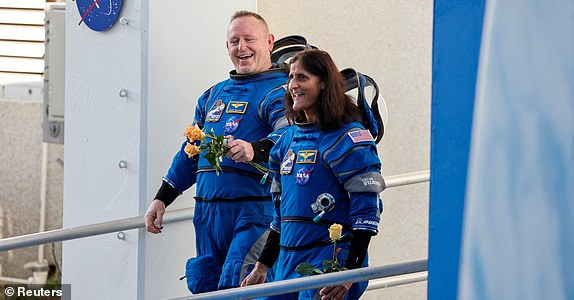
249 45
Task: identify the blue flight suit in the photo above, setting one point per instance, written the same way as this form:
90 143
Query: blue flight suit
233 209
307 163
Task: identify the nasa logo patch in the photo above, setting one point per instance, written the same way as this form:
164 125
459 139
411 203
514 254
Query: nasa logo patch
303 175
231 125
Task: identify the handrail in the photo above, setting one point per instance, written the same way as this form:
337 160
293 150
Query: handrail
314 282
64 234
14 280
88 230
407 178
397 280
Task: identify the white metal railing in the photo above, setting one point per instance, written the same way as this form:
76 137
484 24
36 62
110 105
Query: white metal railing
397 280
314 282
88 230
14 280
65 234
407 178
413 271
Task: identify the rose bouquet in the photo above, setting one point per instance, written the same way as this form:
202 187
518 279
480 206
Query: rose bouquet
330 265
214 150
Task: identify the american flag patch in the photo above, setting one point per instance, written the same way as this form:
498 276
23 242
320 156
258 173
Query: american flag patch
361 136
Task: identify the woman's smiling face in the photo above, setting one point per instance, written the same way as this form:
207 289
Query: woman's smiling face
305 89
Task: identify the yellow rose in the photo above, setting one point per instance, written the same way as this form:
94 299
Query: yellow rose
191 150
193 133
335 231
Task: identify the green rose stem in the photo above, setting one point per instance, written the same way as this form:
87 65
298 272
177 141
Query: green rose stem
335 256
217 149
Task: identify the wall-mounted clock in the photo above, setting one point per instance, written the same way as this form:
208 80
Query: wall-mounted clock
99 15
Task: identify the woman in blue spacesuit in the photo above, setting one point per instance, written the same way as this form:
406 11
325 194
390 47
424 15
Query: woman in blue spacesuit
326 170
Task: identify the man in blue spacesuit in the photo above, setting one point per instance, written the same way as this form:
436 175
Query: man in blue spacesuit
327 171
233 209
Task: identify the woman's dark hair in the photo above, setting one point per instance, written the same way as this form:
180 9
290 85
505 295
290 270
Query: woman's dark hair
333 107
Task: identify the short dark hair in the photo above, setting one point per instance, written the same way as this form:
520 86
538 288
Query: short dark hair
333 107
246 13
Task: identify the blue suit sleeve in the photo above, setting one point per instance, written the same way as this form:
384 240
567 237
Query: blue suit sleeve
358 168
182 173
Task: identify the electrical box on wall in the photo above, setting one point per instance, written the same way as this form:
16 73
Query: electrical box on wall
54 72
